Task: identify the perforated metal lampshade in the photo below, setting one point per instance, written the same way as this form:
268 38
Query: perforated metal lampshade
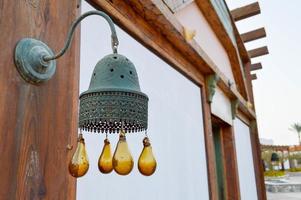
114 99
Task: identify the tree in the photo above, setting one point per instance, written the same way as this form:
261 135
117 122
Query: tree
296 127
283 156
266 156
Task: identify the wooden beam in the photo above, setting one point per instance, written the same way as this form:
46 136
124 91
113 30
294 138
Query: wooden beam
209 143
258 167
243 53
265 147
249 81
294 148
245 11
227 158
258 52
253 76
253 35
256 66
230 163
38 121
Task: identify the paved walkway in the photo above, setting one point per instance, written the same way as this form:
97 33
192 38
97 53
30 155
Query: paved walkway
287 196
284 196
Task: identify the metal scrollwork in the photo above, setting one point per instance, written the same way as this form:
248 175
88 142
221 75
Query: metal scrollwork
107 111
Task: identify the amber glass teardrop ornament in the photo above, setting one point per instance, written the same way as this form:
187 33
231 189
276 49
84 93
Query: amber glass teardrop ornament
147 163
105 163
122 160
79 163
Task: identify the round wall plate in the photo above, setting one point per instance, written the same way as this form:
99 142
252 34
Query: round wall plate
29 61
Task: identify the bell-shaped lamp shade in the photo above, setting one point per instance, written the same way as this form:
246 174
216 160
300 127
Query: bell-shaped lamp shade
114 99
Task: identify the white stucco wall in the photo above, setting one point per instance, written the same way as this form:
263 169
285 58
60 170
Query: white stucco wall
192 18
247 182
175 127
221 106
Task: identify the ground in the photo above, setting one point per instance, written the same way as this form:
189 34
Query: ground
286 196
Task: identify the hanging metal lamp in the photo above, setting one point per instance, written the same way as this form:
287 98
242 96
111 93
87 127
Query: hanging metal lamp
113 103
114 99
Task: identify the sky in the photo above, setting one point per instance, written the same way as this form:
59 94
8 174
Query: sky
277 88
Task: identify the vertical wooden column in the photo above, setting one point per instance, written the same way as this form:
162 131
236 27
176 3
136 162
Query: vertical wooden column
261 192
37 122
230 163
209 143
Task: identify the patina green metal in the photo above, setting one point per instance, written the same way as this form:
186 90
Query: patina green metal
211 83
114 39
114 99
29 60
35 61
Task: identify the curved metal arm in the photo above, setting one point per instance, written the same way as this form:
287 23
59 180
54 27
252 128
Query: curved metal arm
72 29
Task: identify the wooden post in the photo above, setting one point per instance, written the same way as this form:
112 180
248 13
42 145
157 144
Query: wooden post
209 143
37 121
230 159
261 192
